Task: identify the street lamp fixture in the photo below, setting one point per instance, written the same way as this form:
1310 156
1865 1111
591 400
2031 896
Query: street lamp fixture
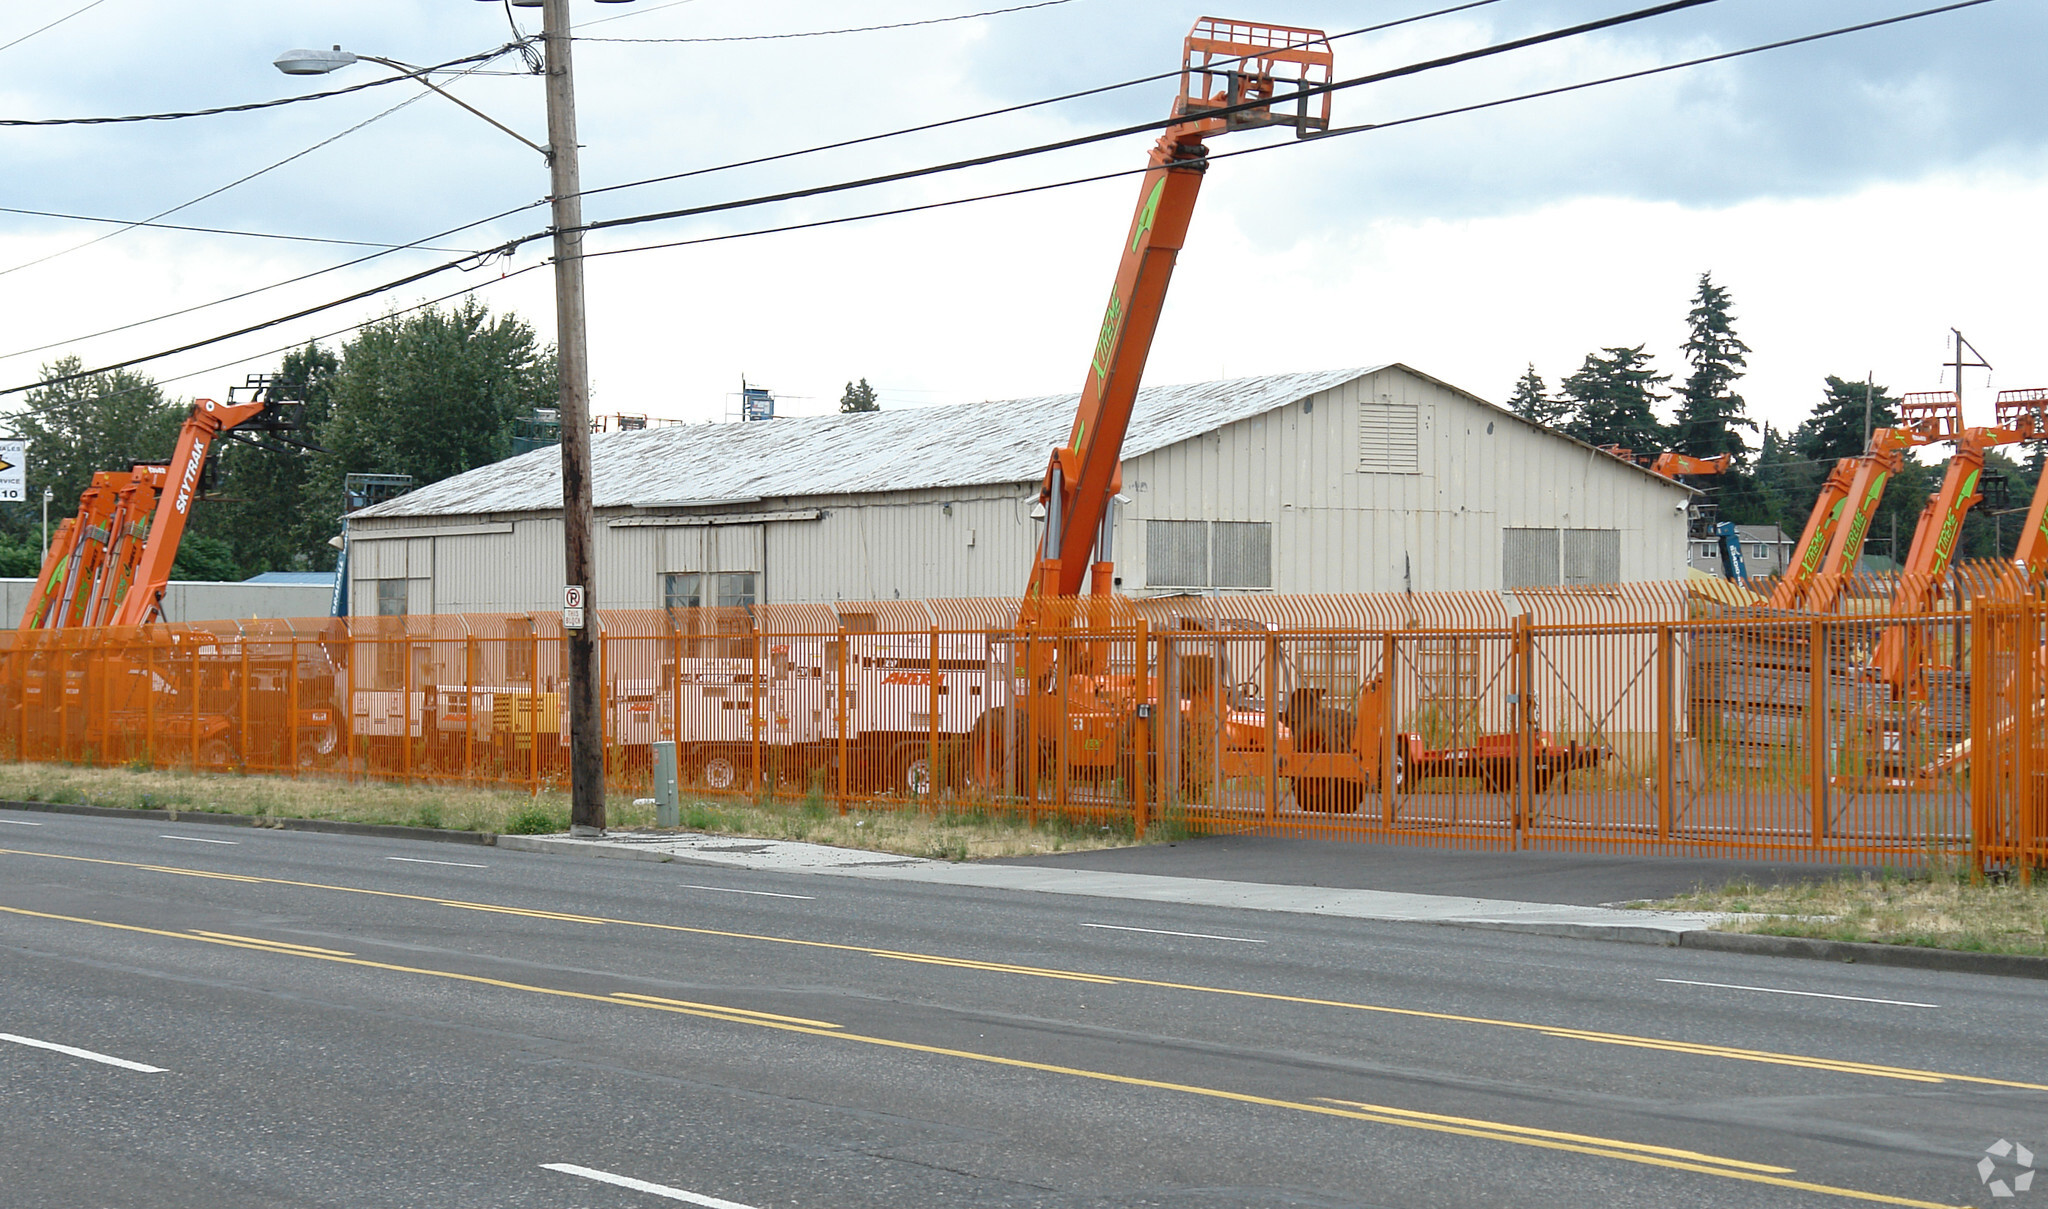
586 730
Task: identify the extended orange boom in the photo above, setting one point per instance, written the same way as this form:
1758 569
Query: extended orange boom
1224 64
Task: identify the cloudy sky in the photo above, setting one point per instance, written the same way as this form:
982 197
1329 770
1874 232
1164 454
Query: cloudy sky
1859 196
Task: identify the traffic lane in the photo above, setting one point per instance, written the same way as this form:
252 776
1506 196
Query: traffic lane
1430 979
1359 1027
1278 1078
1552 1061
381 1067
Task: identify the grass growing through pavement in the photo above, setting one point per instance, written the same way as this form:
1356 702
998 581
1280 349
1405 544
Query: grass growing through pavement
1941 909
909 832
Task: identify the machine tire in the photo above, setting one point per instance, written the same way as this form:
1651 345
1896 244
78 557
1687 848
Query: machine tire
716 771
217 755
910 772
993 760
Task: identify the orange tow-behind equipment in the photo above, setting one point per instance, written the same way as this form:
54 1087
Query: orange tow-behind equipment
110 564
1230 71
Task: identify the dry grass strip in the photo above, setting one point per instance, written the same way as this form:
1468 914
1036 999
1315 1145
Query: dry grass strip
907 831
1944 909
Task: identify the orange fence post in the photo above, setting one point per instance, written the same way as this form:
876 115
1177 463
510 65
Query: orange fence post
1817 727
931 764
1062 672
405 714
754 715
1141 735
1665 737
292 701
841 740
1390 755
1272 769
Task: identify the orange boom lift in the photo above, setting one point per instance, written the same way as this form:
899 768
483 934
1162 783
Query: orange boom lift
1229 71
110 564
1899 658
1833 539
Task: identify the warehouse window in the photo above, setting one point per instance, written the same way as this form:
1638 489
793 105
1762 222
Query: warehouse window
1176 554
1544 558
1241 554
391 597
1199 554
682 590
1389 437
1528 558
685 590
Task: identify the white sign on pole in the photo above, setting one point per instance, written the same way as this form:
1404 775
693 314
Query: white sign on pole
13 470
572 607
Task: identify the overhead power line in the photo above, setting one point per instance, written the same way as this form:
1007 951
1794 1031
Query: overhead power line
1455 8
1410 70
1001 112
52 25
857 29
483 57
171 226
1083 140
250 293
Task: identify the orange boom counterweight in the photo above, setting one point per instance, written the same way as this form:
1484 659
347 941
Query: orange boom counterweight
1231 72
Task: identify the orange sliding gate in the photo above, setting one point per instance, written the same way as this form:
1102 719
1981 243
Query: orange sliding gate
1660 718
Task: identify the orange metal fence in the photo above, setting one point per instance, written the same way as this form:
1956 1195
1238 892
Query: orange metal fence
1649 717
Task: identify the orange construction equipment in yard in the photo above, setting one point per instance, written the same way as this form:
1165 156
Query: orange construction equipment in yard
1900 661
1230 70
109 565
2027 410
1833 540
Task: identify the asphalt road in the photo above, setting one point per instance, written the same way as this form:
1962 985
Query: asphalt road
336 1021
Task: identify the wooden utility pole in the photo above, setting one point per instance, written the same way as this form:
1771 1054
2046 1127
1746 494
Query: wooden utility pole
586 730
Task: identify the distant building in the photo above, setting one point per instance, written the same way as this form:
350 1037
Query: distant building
1355 480
1766 549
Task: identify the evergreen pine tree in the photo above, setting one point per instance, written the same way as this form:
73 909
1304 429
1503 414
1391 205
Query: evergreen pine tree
860 397
1708 411
1613 400
1532 400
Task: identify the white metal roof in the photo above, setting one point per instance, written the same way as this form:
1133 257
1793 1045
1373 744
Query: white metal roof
958 446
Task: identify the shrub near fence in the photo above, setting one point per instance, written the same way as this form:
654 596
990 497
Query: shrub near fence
1635 718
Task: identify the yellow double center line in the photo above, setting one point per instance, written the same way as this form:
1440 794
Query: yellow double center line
1470 1127
1690 1048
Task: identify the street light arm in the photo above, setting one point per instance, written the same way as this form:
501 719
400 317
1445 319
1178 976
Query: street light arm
420 74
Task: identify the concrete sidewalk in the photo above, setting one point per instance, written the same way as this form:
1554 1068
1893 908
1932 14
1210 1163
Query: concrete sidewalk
1588 921
1585 879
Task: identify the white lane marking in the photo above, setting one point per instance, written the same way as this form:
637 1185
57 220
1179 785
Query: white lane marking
420 860
20 822
1736 986
627 1181
1163 932
762 893
193 839
87 1054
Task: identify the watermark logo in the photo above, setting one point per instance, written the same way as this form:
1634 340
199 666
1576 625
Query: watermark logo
1998 1158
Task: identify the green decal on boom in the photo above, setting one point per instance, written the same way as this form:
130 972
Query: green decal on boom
1149 213
1818 549
1112 324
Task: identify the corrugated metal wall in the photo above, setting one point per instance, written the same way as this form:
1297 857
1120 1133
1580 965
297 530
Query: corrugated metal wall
1395 483
1388 483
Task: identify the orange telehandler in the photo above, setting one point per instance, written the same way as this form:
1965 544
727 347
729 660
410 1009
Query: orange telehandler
108 566
1066 703
1832 542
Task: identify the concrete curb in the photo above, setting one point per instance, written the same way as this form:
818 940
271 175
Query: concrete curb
389 831
1958 961
527 843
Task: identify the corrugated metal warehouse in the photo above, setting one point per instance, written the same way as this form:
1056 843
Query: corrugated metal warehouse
1341 481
